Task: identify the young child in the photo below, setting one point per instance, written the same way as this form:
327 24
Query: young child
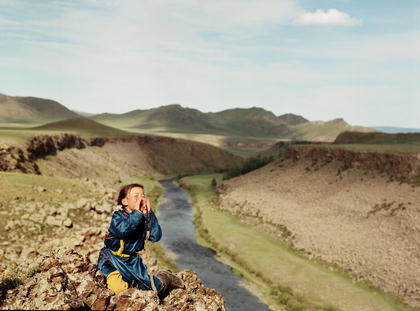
129 229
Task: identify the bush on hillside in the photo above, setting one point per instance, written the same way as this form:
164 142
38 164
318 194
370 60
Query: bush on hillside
249 165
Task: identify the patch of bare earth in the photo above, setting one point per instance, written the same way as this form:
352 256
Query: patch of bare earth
363 222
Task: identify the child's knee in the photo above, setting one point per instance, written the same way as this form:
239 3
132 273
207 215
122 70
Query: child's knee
115 282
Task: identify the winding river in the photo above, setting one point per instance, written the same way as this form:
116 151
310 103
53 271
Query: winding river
178 238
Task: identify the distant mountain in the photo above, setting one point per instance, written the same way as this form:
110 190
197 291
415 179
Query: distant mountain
256 122
165 118
32 109
393 130
292 119
249 122
239 122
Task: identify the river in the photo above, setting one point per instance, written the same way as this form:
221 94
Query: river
176 219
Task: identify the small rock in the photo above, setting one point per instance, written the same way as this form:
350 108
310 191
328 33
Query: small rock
68 223
53 221
104 209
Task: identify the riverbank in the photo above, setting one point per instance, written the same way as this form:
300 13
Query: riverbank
291 280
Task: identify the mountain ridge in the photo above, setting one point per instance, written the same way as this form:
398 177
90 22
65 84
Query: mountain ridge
239 122
32 109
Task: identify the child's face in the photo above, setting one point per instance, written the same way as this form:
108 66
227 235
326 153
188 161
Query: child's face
133 198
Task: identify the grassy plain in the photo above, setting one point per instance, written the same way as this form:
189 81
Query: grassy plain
36 191
284 277
239 145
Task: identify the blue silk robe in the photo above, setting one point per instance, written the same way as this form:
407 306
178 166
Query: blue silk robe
126 236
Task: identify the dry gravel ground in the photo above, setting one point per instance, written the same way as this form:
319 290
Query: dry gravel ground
330 217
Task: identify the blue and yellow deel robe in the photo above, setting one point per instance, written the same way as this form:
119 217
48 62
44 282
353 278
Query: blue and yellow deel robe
126 236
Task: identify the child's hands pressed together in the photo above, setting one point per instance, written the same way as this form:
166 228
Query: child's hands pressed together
144 206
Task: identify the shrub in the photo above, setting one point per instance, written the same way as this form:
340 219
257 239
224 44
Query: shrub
249 165
10 283
33 271
213 183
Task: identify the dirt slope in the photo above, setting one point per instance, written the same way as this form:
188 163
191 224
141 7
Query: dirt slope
110 159
355 218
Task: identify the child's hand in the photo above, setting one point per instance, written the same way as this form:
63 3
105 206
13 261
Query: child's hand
145 206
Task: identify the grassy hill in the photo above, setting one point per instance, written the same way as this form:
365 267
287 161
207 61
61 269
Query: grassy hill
239 122
80 126
233 124
166 118
322 131
246 122
32 109
255 122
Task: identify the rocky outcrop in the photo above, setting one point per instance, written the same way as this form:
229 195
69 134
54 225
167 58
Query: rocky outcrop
163 154
15 159
377 138
41 146
396 165
48 260
66 280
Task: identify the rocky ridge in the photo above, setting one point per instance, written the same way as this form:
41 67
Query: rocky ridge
164 154
396 165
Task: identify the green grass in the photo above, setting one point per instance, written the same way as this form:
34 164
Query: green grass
15 137
290 279
82 126
25 187
37 192
15 275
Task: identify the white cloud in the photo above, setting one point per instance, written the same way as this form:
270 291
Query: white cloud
330 17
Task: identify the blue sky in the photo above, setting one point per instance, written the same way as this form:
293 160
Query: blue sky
357 60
